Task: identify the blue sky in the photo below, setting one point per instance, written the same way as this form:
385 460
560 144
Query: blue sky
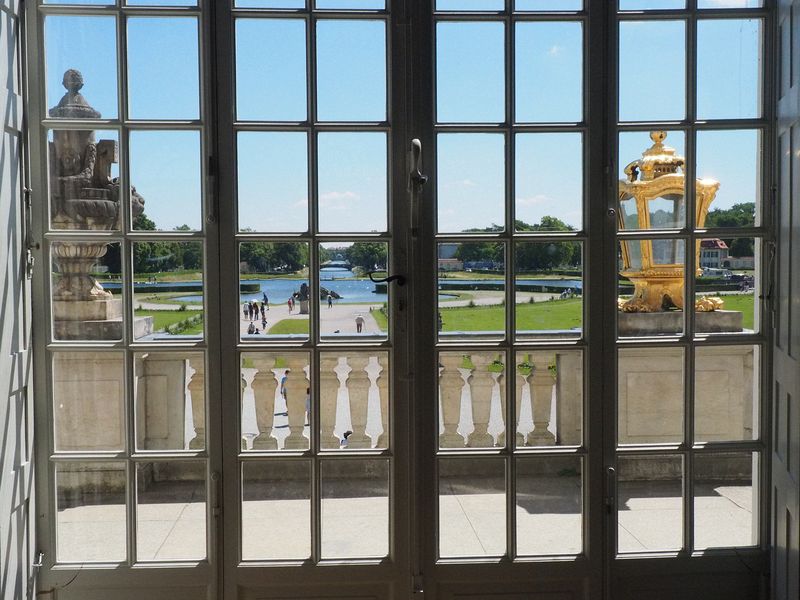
351 81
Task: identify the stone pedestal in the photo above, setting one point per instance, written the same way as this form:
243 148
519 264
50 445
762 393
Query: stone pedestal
94 320
671 322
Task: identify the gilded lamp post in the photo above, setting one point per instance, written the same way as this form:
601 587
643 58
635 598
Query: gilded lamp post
653 196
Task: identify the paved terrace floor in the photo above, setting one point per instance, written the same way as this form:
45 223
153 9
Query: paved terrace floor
171 519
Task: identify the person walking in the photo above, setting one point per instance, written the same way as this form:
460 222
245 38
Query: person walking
266 301
330 300
289 303
244 310
262 310
359 323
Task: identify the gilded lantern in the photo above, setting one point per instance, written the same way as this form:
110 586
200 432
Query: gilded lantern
653 197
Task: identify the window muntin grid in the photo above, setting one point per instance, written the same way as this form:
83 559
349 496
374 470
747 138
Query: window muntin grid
122 385
334 361
684 443
502 370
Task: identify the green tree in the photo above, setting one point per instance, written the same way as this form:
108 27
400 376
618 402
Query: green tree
367 255
738 215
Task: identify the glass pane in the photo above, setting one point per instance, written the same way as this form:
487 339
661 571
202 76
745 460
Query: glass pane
651 287
271 70
270 3
89 401
732 158
549 5
652 4
549 288
549 71
169 390
171 510
470 5
649 503
725 500
470 72
727 286
470 189
351 70
472 290
657 92
163 64
84 180
726 398
276 400
472 507
652 187
729 68
349 488
352 181
472 400
274 290
167 290
161 2
90 512
272 184
87 291
650 395
548 175
81 82
351 4
549 398
354 394
549 506
276 510
350 303
166 172
729 3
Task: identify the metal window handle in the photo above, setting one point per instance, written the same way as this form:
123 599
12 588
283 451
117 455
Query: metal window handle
398 278
611 489
417 178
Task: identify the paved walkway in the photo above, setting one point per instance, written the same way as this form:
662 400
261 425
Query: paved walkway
340 318
276 518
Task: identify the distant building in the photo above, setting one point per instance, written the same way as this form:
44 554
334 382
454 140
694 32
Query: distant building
451 264
713 253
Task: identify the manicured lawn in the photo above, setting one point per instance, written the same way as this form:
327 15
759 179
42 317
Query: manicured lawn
380 319
553 314
289 326
164 318
743 303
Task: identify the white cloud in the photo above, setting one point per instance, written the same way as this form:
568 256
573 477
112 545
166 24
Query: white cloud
537 200
555 50
338 200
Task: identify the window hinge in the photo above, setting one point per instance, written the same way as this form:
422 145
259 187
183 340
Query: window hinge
30 244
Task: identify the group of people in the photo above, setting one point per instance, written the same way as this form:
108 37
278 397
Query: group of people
252 310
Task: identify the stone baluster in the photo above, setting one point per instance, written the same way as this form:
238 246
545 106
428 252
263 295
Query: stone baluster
569 398
264 386
358 384
197 387
450 384
482 384
296 385
497 414
383 389
328 391
522 408
249 425
542 382
343 422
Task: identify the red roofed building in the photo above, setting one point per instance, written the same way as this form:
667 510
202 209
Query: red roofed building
712 253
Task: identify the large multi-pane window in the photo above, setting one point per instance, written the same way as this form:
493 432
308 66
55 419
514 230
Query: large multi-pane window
122 141
691 136
283 340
